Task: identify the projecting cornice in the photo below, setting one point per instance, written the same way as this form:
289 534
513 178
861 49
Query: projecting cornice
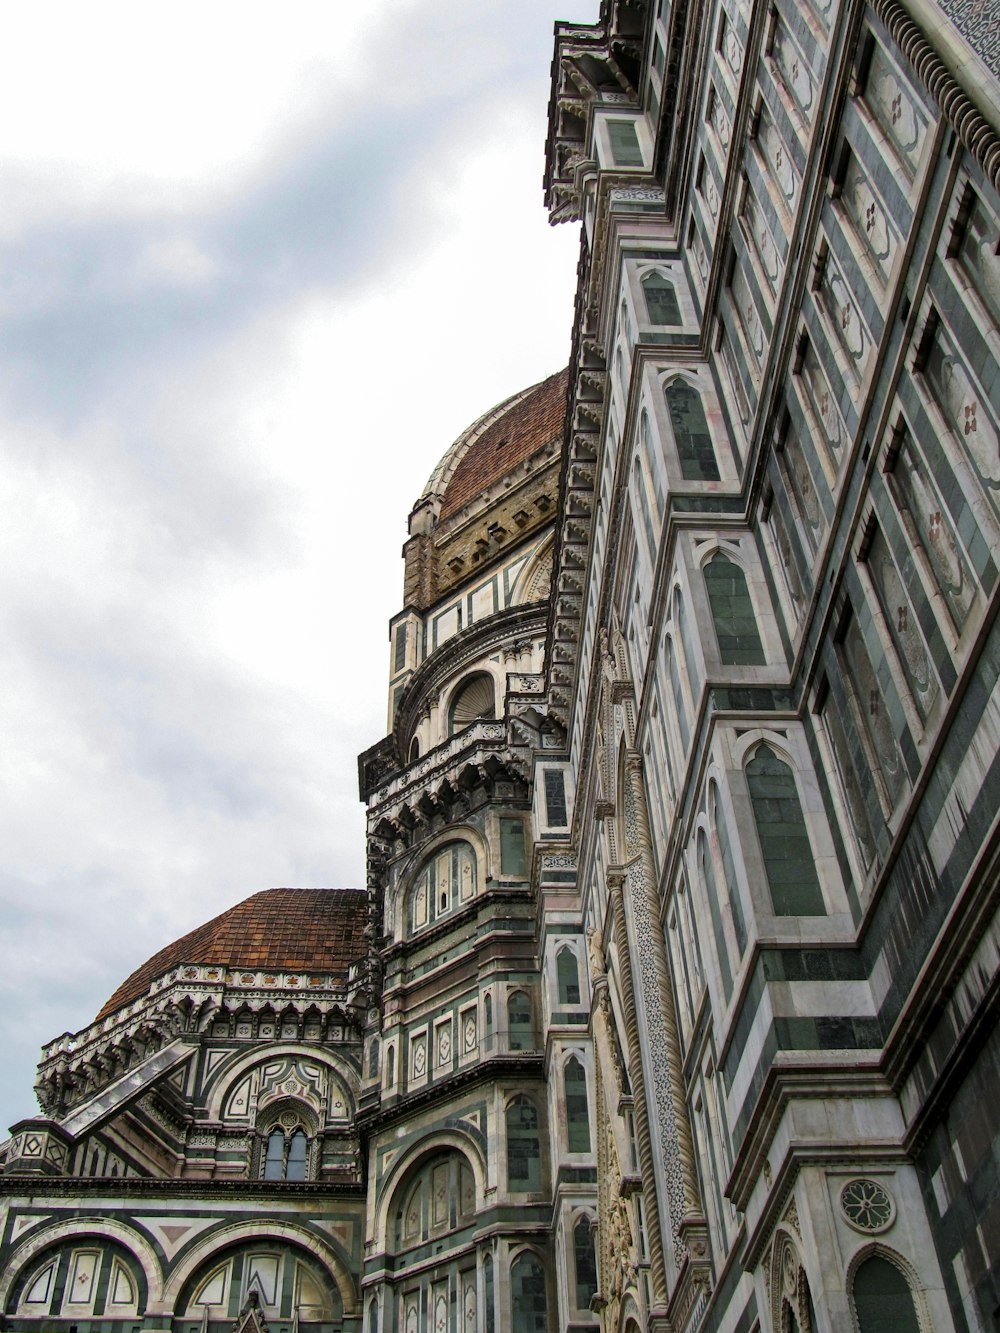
977 134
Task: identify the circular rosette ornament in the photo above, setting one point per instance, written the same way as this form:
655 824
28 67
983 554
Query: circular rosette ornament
867 1205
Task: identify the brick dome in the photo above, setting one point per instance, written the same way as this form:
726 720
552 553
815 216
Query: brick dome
283 929
500 439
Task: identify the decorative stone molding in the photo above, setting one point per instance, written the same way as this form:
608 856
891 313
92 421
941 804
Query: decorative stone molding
972 128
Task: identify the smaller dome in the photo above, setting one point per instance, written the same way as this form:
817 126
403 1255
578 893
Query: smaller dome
279 929
495 444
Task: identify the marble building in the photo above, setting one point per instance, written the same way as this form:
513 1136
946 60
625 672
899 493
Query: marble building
670 1000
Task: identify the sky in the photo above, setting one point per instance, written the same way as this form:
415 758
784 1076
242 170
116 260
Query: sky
258 269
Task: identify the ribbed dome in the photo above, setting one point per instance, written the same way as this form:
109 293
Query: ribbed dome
283 929
501 438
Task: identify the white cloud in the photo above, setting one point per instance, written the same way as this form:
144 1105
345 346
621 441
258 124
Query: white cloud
260 275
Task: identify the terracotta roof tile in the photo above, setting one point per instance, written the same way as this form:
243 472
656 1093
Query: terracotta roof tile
283 929
531 423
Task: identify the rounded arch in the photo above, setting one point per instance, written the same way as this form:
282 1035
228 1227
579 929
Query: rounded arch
288 1106
413 863
434 1199
630 1319
535 579
78 1229
285 1232
396 1177
472 698
879 1250
447 878
239 1063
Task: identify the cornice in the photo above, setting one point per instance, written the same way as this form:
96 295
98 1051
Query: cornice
495 1069
973 129
137 1187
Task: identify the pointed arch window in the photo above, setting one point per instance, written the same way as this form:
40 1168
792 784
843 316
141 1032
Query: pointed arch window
661 300
527 1294
883 1300
577 1110
568 977
286 1154
789 863
520 1022
585 1263
692 438
274 1157
489 1298
732 613
473 701
524 1157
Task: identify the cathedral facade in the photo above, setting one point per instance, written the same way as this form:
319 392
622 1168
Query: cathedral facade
671 999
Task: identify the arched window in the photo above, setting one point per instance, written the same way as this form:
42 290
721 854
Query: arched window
692 438
295 1165
577 1111
286 1153
568 977
585 1263
784 839
520 1023
390 1066
524 1157
732 613
274 1158
474 699
488 1019
446 881
414 751
527 1294
883 1299
489 1298
661 300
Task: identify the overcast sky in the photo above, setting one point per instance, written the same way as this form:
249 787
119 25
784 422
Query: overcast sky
259 266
